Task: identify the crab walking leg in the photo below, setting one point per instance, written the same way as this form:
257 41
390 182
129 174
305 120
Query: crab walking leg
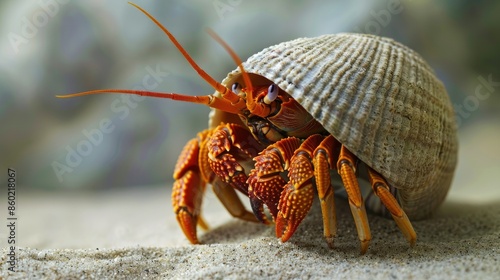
346 168
188 189
381 189
265 192
229 198
324 155
265 183
297 196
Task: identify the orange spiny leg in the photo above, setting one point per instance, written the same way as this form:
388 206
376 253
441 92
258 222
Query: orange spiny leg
381 189
323 161
229 147
188 188
346 166
297 196
265 182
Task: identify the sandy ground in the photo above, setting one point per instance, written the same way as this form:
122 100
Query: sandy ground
121 235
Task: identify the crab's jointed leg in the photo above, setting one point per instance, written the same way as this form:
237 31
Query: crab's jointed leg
346 166
229 198
381 189
324 160
189 187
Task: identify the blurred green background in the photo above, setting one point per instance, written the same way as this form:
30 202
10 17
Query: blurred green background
58 47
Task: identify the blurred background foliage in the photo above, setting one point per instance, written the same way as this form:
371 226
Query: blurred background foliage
57 47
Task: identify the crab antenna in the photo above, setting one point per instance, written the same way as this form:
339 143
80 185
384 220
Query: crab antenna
226 93
209 100
237 60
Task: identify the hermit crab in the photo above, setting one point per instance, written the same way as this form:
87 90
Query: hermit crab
296 114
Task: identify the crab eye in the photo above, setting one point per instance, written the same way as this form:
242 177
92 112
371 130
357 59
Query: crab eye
236 88
272 93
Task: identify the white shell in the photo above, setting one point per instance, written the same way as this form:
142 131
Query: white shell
378 98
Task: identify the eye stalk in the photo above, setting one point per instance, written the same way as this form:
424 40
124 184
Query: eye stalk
236 88
272 93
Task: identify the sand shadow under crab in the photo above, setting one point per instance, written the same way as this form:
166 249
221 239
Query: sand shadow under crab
455 223
309 233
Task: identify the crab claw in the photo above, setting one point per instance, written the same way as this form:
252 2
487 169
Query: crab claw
186 200
293 207
188 222
188 189
265 183
264 191
297 197
258 209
